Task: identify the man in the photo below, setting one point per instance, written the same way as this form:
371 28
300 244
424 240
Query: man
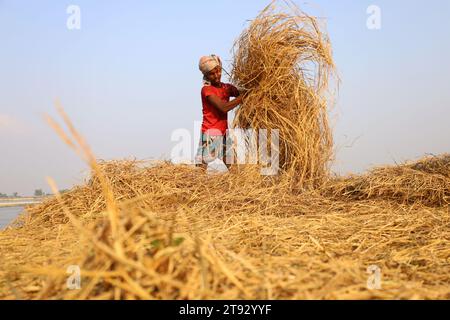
216 105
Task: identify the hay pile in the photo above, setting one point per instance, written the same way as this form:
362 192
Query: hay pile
178 234
173 232
426 181
284 62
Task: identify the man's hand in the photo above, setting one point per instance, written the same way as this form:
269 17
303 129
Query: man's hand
242 91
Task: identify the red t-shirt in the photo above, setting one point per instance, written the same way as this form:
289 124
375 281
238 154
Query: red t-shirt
215 122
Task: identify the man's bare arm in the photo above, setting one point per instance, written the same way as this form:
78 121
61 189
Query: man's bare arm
224 106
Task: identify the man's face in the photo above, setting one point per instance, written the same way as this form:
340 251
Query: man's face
215 75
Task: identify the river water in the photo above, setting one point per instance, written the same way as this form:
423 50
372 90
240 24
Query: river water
8 214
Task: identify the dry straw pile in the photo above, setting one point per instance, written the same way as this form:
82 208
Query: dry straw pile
426 181
173 232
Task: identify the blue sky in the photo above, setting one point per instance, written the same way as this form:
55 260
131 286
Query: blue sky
129 78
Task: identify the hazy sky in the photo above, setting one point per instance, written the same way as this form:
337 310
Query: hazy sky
129 77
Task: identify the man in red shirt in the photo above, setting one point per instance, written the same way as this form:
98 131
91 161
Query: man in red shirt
216 104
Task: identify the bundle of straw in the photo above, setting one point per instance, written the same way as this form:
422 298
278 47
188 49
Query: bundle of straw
284 62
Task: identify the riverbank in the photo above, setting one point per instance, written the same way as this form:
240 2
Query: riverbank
19 202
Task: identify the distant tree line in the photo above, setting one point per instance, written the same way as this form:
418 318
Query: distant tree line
4 195
37 193
40 193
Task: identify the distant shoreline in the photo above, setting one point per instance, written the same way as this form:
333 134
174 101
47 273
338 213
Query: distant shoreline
19 202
